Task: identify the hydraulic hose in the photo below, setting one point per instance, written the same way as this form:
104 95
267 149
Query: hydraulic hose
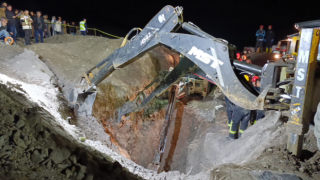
125 39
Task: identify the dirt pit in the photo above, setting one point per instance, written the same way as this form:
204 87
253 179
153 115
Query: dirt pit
196 147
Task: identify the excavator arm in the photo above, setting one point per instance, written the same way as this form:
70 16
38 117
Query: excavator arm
205 51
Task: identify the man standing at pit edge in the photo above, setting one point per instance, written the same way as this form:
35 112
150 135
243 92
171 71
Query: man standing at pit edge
269 39
260 38
83 27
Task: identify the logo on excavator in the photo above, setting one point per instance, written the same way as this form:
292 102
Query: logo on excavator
161 18
145 39
207 58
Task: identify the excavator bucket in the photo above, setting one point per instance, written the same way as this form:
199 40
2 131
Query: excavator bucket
82 103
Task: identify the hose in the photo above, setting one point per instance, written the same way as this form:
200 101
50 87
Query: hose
125 39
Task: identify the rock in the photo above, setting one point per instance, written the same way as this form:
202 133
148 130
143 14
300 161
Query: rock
44 152
65 152
1 142
302 169
82 169
63 166
36 157
20 124
39 128
73 159
8 119
46 134
49 164
18 141
56 156
80 176
68 173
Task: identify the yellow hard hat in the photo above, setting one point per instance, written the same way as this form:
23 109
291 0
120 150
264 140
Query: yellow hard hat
247 77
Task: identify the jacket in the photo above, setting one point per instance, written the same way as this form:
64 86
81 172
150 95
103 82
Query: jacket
73 29
260 35
26 21
38 25
270 35
2 13
57 26
53 21
11 20
2 27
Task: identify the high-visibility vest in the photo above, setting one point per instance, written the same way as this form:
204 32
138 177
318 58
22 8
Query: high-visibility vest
82 26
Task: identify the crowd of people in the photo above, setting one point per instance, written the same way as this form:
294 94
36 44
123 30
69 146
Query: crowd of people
28 25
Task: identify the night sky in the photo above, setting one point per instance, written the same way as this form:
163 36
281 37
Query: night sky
234 20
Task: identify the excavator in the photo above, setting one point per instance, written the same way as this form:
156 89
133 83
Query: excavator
214 60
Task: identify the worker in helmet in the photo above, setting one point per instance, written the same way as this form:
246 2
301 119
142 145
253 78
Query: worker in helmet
256 84
240 117
269 39
260 38
239 56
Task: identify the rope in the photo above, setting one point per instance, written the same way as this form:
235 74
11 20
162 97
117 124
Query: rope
88 29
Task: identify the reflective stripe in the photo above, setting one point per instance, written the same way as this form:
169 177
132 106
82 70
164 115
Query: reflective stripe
230 131
82 26
254 121
241 131
26 27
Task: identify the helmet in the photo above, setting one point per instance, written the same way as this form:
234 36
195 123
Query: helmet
261 26
247 77
238 55
255 78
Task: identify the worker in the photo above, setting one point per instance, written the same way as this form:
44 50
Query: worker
256 84
26 21
260 38
3 29
269 39
238 57
229 106
83 27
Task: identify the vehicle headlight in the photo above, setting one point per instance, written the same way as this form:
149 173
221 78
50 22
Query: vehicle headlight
277 56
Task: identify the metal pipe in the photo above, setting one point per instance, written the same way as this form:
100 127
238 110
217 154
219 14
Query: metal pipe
247 67
196 31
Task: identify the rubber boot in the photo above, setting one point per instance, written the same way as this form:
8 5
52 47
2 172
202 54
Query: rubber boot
267 50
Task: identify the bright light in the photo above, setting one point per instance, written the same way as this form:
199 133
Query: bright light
277 56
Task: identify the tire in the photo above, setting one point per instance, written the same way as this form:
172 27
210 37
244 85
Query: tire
317 126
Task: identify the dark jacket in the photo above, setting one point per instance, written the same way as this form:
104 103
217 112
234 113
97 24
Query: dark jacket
270 35
38 25
11 21
73 29
260 35
17 20
3 27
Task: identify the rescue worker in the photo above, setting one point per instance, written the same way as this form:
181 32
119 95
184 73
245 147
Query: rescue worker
238 57
256 84
26 21
245 59
269 39
260 38
83 27
3 29
229 106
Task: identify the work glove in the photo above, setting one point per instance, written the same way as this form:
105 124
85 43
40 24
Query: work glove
271 40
